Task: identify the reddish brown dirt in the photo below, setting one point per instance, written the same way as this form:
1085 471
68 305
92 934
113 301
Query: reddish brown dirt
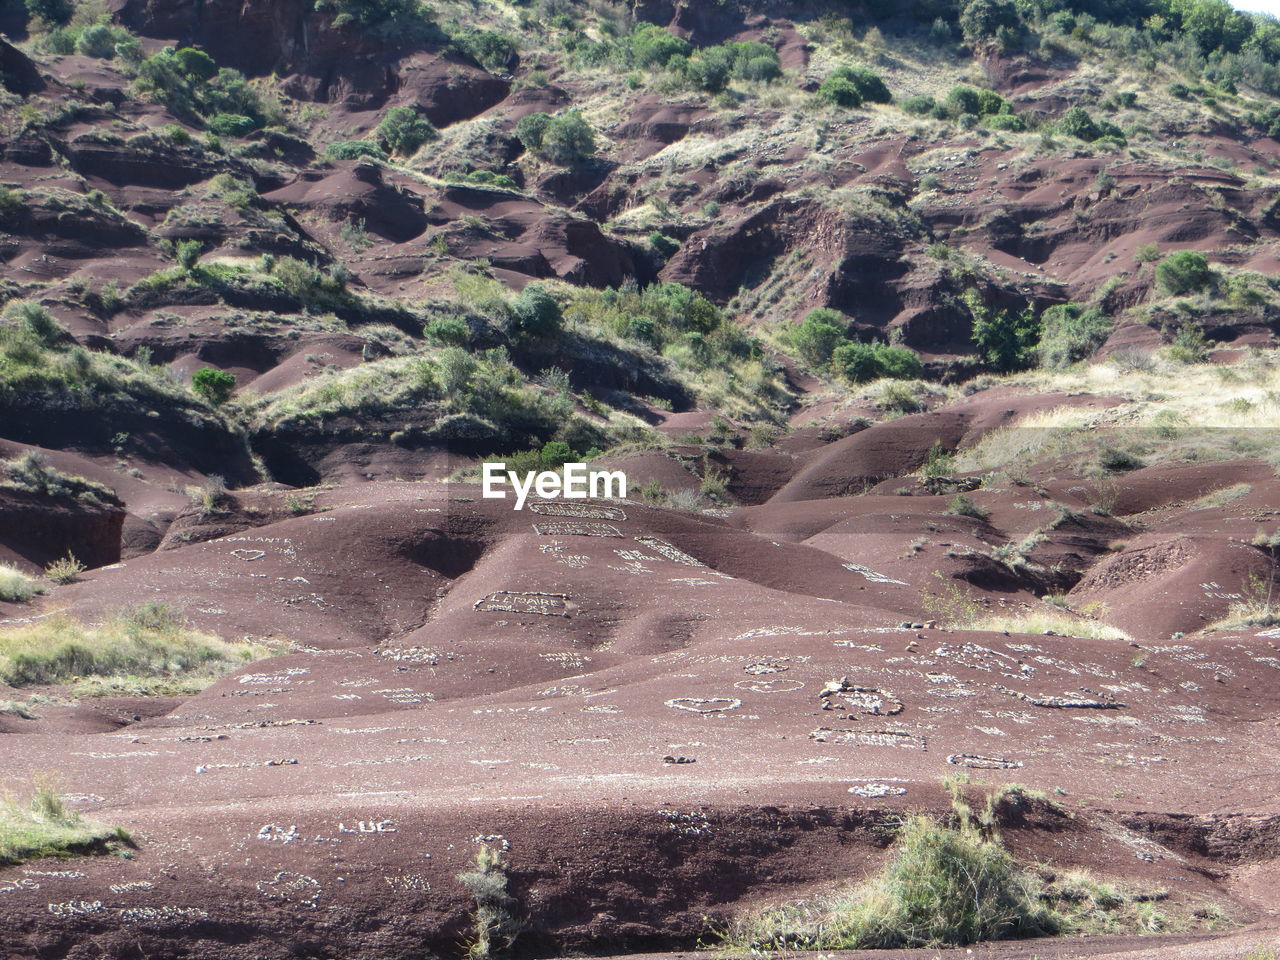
458 670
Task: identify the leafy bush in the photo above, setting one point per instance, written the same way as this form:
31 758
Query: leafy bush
818 335
1007 341
840 92
652 46
565 139
189 82
496 925
101 40
447 331
1006 121
354 150
387 18
982 21
489 48
1077 122
232 124
860 362
1070 332
870 86
403 130
711 68
50 11
536 313
919 105
1186 271
664 246
214 385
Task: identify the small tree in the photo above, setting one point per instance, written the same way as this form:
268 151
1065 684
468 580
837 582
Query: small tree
1007 341
403 130
818 335
568 139
214 385
1186 271
1076 122
982 21
188 254
536 313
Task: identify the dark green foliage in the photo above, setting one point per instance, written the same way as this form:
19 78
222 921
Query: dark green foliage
982 21
393 19
664 246
214 385
1186 271
566 139
530 129
188 81
652 46
404 130
711 68
489 48
555 454
869 84
643 329
354 150
1071 332
1006 341
840 92
447 331
920 105
187 254
100 40
1006 121
818 335
484 178
860 362
536 313
1076 122
50 11
232 124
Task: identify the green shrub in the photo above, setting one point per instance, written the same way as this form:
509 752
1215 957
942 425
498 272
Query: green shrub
946 886
652 46
489 48
232 124
188 253
870 86
50 11
840 92
662 245
35 321
403 130
1007 341
447 331
1189 345
97 40
919 105
963 506
1076 122
536 313
1186 271
496 924
214 385
964 99
860 362
354 150
565 139
982 21
1006 121
1071 332
818 335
